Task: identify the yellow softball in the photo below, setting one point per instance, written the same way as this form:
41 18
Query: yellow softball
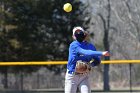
67 7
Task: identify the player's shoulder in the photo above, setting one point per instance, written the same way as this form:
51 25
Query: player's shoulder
89 44
74 44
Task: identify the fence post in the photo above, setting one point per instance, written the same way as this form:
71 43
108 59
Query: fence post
130 81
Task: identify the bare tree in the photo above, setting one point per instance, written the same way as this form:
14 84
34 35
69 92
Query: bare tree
117 22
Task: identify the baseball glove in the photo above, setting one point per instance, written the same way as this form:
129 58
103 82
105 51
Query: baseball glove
82 67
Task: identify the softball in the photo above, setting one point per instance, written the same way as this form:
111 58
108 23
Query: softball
67 7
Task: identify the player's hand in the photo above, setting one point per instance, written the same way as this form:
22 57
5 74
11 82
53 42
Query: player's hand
106 53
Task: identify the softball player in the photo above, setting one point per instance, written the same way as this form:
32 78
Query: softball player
81 53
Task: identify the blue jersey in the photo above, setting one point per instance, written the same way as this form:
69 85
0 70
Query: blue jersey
82 51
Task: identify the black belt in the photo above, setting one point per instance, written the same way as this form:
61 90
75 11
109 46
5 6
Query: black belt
76 73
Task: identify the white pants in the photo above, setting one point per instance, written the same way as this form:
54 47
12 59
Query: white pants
81 81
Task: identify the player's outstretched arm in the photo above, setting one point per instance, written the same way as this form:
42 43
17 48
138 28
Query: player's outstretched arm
91 52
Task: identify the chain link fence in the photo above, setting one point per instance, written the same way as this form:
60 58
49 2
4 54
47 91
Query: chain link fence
122 77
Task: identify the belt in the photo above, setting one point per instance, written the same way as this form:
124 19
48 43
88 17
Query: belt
76 73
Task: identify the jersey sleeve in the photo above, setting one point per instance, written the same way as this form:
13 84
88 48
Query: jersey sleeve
88 52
